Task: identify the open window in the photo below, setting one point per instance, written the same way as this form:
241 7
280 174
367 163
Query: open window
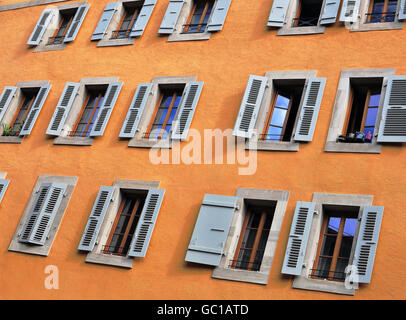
3 185
121 222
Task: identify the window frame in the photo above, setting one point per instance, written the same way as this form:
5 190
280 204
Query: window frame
224 271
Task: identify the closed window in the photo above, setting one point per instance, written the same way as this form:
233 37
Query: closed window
199 17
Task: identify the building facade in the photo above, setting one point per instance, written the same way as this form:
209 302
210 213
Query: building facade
218 149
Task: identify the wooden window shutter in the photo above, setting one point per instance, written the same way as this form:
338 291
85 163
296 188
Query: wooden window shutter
62 109
250 106
105 110
143 18
145 227
104 21
132 119
35 110
96 218
392 127
76 23
41 27
187 110
5 99
349 10
278 13
219 15
211 229
309 110
3 187
330 12
402 10
367 242
171 17
298 238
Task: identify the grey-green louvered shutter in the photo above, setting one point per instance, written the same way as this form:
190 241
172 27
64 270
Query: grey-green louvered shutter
349 10
96 218
35 110
298 238
278 13
76 23
310 109
105 110
3 187
250 106
393 122
46 216
104 21
187 110
218 15
62 109
143 18
367 242
146 223
171 17
330 12
5 99
134 113
402 10
211 229
41 27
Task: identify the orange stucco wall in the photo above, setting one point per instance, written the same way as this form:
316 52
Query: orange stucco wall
243 47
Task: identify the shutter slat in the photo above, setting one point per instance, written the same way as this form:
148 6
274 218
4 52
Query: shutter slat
41 27
106 109
187 110
250 106
96 218
5 99
278 13
104 21
62 109
367 242
211 229
143 18
76 23
330 12
35 110
349 10
145 227
393 122
171 17
3 187
298 238
309 111
218 15
135 111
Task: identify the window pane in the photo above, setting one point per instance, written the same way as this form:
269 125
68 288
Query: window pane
274 134
243 259
323 268
282 101
371 117
278 117
350 227
333 225
374 100
253 221
340 269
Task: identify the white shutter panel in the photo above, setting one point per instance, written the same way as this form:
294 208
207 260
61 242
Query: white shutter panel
5 99
76 23
187 110
62 109
330 12
367 242
218 15
250 106
309 111
35 110
298 238
402 10
278 13
41 27
104 21
171 17
96 217
143 18
349 10
393 122
145 227
3 187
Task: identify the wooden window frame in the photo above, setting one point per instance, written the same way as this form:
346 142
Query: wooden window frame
199 26
137 9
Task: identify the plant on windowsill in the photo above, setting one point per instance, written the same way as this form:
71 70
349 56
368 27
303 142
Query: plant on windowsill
9 132
357 137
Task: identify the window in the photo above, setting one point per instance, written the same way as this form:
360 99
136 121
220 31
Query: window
3 185
308 13
161 111
254 236
58 26
83 110
382 11
201 12
193 19
43 214
330 238
121 222
122 22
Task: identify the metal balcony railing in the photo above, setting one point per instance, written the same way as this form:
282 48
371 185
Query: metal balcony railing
244 265
117 251
328 275
380 17
194 28
120 34
305 22
55 40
